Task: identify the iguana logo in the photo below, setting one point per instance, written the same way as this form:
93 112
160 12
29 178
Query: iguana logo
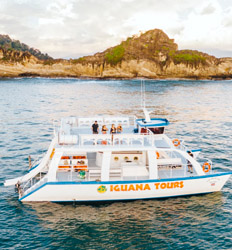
102 189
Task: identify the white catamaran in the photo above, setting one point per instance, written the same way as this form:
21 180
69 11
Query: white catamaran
140 162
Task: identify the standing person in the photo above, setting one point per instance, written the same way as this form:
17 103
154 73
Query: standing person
119 129
113 129
104 129
190 166
95 128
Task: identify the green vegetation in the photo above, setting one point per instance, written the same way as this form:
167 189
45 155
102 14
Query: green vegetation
165 48
48 62
115 55
79 60
8 44
191 58
4 58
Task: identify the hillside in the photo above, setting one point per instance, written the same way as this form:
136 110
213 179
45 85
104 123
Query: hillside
152 47
155 46
8 44
151 55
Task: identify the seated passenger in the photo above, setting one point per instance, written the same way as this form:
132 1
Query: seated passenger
119 128
113 129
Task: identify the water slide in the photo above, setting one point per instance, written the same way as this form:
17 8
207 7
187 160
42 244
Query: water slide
34 171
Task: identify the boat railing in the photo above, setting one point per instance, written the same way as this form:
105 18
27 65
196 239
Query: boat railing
132 120
119 139
33 183
179 144
37 161
103 120
27 185
174 170
182 145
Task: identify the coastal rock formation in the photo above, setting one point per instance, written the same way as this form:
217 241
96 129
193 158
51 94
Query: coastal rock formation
151 55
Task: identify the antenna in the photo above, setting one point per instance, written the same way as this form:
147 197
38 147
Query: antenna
54 128
143 97
143 102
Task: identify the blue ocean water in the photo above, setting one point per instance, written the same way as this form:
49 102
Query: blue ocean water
200 113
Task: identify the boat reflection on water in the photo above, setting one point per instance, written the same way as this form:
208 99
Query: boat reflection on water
163 213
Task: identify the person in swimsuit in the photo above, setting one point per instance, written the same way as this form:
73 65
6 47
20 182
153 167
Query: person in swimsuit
119 128
113 129
104 129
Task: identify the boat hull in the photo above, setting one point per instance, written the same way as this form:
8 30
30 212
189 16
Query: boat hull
126 190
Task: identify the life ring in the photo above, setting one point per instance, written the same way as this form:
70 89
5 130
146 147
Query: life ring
206 164
157 155
176 142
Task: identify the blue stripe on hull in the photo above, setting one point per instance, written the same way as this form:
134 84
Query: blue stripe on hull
124 182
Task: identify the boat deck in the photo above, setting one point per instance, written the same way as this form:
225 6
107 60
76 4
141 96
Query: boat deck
125 168
88 131
115 140
116 174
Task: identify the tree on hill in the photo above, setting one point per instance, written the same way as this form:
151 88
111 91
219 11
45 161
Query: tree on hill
9 44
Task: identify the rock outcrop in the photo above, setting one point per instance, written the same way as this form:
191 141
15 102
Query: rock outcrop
151 55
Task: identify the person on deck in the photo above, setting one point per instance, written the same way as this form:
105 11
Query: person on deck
95 128
190 167
113 129
104 129
119 129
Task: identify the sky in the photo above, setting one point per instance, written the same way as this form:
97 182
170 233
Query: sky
74 28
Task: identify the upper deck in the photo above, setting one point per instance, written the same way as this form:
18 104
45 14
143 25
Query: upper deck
76 132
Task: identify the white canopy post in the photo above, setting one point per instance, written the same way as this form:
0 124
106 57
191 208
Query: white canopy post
105 167
152 161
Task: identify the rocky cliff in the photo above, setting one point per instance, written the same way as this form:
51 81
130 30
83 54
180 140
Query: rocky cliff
150 55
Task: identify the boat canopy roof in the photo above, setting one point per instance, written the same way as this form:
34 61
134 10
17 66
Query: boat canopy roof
154 122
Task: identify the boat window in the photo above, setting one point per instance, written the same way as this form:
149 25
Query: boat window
157 130
161 143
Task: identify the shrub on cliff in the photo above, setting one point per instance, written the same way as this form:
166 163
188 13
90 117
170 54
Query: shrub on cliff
115 55
193 58
79 60
9 44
